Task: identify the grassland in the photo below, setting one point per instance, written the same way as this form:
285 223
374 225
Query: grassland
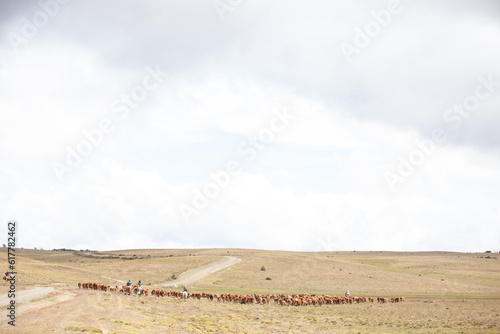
446 292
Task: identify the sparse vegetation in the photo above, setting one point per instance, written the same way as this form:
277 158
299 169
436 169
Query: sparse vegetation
82 329
434 284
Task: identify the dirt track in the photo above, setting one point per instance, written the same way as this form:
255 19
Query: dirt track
186 278
25 295
197 274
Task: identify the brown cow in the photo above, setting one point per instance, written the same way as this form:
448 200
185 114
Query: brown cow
280 299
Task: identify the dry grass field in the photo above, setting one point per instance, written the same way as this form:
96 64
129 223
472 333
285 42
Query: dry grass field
445 292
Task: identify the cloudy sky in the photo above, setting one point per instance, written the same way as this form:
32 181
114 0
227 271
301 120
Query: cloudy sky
292 125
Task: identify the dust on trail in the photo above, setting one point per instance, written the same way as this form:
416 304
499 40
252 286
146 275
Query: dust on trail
197 274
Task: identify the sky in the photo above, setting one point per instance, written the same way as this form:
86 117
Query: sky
283 125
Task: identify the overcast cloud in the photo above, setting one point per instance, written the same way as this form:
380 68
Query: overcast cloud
295 125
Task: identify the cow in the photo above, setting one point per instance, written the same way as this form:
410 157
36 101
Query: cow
279 299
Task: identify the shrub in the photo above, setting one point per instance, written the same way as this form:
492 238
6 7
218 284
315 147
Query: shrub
263 268
268 278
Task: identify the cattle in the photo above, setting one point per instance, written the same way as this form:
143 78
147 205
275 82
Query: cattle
279 299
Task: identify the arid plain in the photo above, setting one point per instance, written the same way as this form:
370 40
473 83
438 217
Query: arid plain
445 292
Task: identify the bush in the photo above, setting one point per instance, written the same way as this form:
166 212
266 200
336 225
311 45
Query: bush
173 277
268 278
263 268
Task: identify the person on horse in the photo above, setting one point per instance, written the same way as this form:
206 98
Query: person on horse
129 287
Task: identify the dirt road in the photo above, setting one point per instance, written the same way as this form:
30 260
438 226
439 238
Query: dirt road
197 274
26 295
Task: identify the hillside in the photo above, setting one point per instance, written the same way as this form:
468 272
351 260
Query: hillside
433 283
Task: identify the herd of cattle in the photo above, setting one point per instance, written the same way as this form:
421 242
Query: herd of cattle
280 299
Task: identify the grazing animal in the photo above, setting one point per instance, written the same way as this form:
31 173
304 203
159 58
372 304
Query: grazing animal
279 299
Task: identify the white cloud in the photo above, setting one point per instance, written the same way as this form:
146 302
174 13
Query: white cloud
320 182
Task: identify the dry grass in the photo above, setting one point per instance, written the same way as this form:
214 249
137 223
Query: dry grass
99 312
450 292
364 273
52 267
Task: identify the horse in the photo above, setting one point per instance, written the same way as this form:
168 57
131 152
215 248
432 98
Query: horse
185 295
